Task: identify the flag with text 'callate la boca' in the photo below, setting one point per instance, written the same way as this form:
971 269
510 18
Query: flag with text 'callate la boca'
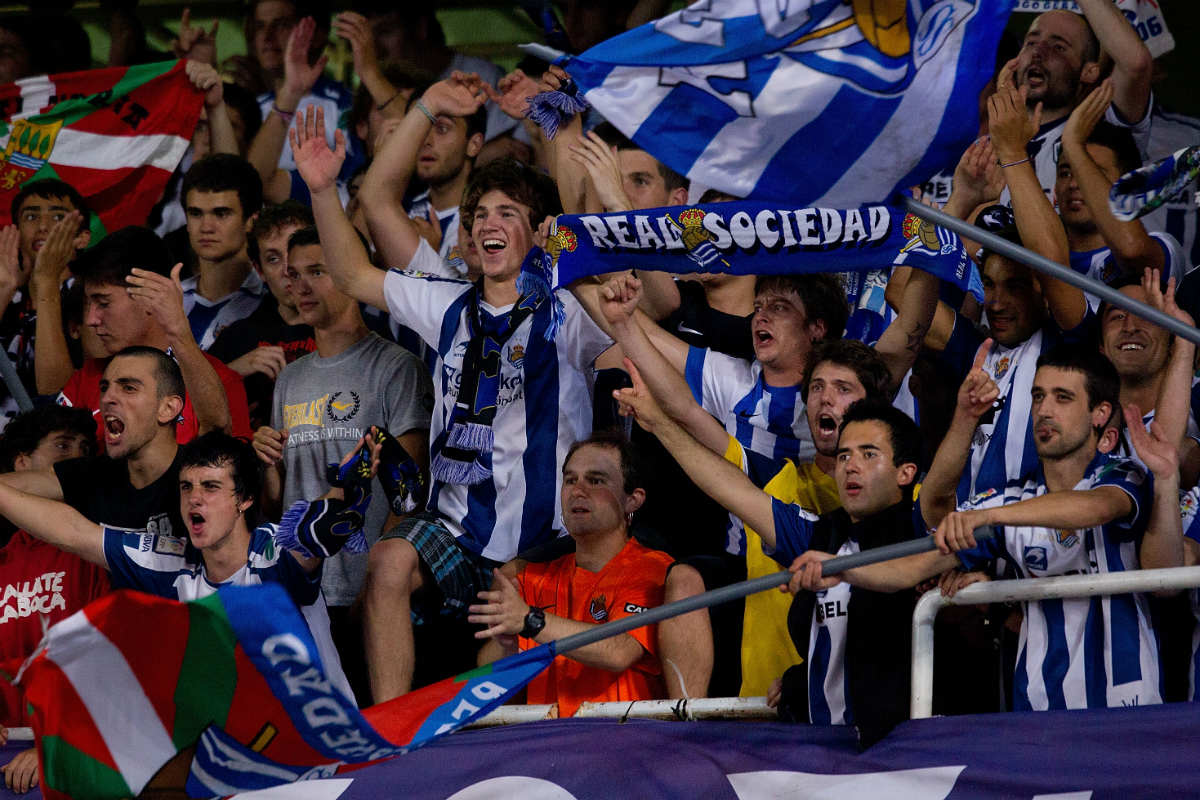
115 135
748 238
821 102
128 683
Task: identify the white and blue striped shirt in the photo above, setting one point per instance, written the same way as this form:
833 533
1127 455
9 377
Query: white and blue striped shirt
1100 265
168 566
1092 652
1189 502
766 420
544 405
207 318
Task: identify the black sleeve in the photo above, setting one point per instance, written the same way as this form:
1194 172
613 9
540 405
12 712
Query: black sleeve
232 343
73 478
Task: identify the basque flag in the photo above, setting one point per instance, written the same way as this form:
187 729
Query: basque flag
818 102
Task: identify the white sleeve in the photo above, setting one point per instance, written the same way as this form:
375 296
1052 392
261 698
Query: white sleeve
420 302
725 379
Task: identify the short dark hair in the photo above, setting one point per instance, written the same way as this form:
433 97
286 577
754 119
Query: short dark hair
222 172
48 189
868 365
520 182
627 455
1100 378
905 435
1120 141
822 293
271 219
25 432
110 262
303 238
614 138
168 380
216 449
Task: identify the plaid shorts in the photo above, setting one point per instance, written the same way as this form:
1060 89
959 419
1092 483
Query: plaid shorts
459 575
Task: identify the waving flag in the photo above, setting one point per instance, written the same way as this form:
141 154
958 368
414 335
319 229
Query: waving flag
237 675
820 102
116 135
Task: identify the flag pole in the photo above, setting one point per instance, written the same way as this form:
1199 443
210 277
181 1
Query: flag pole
1042 264
734 591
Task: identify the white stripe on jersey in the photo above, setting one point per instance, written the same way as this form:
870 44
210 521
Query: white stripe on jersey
1101 267
828 670
515 510
1059 636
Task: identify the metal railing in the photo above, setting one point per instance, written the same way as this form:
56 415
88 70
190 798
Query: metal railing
728 708
1062 586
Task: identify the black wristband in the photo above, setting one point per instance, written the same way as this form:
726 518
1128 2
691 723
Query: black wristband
535 620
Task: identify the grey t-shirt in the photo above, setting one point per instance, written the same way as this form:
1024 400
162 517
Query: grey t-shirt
325 405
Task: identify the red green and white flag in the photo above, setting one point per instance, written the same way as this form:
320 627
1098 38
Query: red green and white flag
128 683
116 135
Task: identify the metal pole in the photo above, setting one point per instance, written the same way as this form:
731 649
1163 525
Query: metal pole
13 382
726 593
1058 586
1043 264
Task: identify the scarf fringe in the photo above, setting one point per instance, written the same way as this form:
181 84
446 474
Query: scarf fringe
550 109
471 436
467 473
286 536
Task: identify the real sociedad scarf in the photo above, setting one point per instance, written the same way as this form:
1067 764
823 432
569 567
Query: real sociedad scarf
1137 193
466 455
745 238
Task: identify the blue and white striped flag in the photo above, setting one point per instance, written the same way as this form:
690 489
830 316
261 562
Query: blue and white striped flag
820 102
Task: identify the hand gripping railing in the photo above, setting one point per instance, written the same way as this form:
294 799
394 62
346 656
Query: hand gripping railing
1062 586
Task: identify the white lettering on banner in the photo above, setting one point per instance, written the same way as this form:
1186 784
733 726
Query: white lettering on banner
41 595
512 786
929 783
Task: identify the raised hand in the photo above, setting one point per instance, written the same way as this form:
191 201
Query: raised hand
553 79
1084 117
355 29
1010 124
512 93
978 391
63 241
638 402
619 298
1152 447
10 260
595 156
977 177
460 95
317 164
205 78
195 43
162 299
1163 300
298 75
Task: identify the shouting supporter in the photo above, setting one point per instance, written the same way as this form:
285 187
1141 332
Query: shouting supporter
609 576
855 672
1079 512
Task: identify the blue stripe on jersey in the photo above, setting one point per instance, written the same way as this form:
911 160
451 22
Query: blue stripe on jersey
818 667
780 417
693 373
1020 699
1094 668
201 316
1054 665
541 434
1124 630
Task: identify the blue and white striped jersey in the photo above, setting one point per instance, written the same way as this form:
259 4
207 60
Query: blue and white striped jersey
766 420
827 681
168 566
1003 450
1092 652
544 405
208 318
1181 217
448 222
1189 502
1099 264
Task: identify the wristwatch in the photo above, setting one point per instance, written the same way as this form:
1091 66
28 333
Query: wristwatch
535 620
